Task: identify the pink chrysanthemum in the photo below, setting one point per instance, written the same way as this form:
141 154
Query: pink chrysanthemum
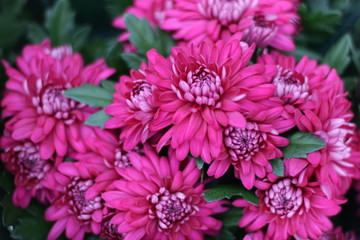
264 22
289 206
258 235
34 97
249 149
330 121
73 212
32 173
152 10
338 234
201 90
159 199
132 109
274 23
296 82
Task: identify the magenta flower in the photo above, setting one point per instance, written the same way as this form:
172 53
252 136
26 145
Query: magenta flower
289 206
159 199
296 82
330 121
202 90
274 23
132 109
73 212
264 22
32 173
35 101
249 149
338 234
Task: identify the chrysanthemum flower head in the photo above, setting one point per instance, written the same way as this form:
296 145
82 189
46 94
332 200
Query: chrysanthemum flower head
289 206
263 22
73 212
34 97
160 199
132 109
250 148
31 171
200 90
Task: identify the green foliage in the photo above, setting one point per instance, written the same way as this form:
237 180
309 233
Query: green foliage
228 191
60 27
116 7
339 55
12 23
98 119
133 60
144 37
278 166
302 143
89 94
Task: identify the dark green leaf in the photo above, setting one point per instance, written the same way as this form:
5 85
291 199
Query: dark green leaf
225 234
339 55
98 119
302 143
12 23
108 85
228 191
278 166
133 60
351 83
79 37
92 95
35 33
31 228
11 214
7 182
231 217
92 237
199 163
165 42
116 7
141 33
144 37
59 21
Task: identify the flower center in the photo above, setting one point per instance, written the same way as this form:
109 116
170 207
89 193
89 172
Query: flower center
262 31
202 86
122 160
110 231
170 209
29 161
242 144
291 82
284 198
226 11
141 96
78 203
53 102
60 52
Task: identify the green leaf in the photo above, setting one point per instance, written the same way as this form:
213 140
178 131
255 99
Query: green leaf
141 33
225 234
108 85
199 162
92 95
35 33
302 143
144 37
116 7
98 119
278 166
338 55
351 83
12 22
11 213
228 191
92 237
231 217
59 21
80 35
132 60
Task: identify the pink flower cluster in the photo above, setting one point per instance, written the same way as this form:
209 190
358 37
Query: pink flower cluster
213 98
263 22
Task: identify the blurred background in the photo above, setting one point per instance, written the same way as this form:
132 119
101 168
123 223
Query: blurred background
330 33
